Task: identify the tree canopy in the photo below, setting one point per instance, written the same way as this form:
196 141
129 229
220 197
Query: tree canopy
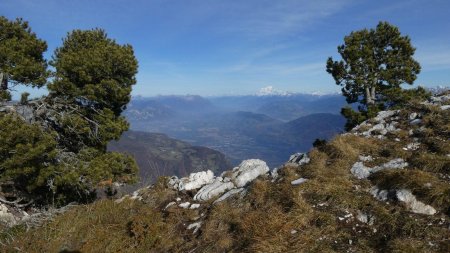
95 75
21 55
53 149
94 69
373 61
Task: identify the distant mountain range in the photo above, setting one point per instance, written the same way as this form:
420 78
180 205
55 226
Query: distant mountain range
158 155
268 127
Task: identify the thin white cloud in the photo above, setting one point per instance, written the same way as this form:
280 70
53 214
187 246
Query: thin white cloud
434 58
272 18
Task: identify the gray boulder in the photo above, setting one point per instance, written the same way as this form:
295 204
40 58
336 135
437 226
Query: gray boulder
413 204
299 159
361 171
248 171
214 189
195 180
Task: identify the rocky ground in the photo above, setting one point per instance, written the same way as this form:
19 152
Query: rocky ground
382 187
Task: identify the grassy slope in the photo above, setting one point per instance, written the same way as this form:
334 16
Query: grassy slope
266 218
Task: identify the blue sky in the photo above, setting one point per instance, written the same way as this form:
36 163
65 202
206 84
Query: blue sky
217 47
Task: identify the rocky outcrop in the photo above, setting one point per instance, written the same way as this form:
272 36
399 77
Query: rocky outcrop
229 194
214 189
385 122
413 204
360 171
195 180
247 171
405 196
210 187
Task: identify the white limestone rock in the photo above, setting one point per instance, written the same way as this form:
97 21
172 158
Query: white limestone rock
365 218
214 189
299 158
173 182
381 116
195 180
299 181
413 204
136 195
413 146
169 205
196 226
194 206
379 194
404 196
248 171
360 171
440 99
274 173
363 124
365 158
413 116
391 127
6 217
184 205
228 194
397 163
445 107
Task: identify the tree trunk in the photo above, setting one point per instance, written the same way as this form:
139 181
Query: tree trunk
369 100
3 81
372 93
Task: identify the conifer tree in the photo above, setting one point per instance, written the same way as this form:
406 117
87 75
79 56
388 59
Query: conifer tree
62 156
21 56
373 61
374 65
95 74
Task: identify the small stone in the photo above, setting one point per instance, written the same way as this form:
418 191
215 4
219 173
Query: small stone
413 146
365 158
299 181
194 206
196 226
415 122
169 205
413 116
184 205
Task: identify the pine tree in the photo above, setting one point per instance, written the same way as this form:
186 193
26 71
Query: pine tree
374 65
373 61
62 156
21 56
